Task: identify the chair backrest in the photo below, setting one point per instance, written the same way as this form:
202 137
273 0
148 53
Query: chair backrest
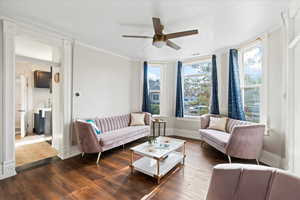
248 182
231 123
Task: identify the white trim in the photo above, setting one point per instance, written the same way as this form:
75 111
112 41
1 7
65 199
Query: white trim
20 58
7 65
193 134
294 42
101 50
270 159
7 169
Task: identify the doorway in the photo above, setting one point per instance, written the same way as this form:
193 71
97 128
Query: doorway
10 30
35 90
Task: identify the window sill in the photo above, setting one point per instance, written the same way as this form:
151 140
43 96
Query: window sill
160 116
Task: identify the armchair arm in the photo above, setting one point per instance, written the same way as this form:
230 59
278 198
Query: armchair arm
246 141
87 139
148 118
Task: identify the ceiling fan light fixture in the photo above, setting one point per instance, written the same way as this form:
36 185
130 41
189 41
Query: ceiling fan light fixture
159 43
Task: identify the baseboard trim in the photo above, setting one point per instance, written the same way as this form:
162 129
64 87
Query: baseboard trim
193 134
7 169
270 159
71 152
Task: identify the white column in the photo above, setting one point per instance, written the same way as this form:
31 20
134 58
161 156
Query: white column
7 105
66 98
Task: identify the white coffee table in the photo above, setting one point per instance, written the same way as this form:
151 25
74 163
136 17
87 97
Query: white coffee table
158 158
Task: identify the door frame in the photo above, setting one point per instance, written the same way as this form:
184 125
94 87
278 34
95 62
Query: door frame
9 29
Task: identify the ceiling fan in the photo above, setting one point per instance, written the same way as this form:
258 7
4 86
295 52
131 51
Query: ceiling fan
160 39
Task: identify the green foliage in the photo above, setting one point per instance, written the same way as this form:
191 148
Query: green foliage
154 109
198 85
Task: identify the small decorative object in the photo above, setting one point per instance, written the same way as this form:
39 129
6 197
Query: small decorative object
151 140
156 120
56 78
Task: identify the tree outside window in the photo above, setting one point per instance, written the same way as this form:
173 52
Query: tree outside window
197 88
154 78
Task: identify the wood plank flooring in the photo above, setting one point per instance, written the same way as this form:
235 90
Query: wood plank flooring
80 178
34 152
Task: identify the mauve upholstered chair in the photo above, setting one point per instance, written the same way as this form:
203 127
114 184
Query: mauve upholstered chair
242 139
252 182
115 131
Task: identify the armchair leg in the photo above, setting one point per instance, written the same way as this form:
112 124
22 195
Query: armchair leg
257 161
99 154
229 158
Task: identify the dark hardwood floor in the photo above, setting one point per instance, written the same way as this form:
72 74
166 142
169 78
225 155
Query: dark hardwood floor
80 178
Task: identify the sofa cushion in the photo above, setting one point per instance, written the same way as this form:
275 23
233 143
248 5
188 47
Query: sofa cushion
218 123
137 119
110 137
219 137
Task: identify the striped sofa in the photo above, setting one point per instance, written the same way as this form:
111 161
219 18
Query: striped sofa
115 131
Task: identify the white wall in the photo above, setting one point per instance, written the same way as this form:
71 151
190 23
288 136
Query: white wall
104 82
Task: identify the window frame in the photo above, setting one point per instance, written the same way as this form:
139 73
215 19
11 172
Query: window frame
206 59
262 86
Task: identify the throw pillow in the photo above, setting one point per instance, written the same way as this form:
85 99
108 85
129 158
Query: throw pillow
137 119
218 123
95 128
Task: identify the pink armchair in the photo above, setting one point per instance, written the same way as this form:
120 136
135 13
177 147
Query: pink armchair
242 139
252 182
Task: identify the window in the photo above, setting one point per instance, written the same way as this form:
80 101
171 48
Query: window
251 82
154 78
196 87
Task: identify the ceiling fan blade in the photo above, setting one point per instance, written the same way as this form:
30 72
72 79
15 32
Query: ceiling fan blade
137 36
181 34
157 26
173 45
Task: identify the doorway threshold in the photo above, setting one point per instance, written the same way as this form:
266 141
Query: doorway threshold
37 164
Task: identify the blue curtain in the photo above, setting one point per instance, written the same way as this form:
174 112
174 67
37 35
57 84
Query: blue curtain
146 100
235 105
179 93
214 106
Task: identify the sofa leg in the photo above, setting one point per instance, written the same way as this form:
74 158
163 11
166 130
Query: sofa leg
123 146
257 162
202 143
99 154
229 158
82 154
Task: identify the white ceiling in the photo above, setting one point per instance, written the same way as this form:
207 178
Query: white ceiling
101 23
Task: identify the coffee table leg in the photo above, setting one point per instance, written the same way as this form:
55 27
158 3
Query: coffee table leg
131 161
183 153
158 177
